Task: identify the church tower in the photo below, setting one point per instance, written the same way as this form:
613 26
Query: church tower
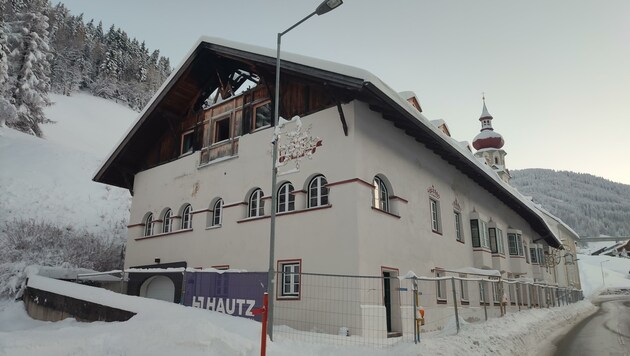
489 143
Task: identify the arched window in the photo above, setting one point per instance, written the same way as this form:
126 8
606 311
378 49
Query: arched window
381 196
217 212
187 217
286 199
256 204
167 221
148 225
317 192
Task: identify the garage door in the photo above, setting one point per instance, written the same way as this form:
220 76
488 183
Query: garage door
158 287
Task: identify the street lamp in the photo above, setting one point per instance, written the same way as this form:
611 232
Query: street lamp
324 7
601 266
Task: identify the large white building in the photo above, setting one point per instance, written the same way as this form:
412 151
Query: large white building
386 191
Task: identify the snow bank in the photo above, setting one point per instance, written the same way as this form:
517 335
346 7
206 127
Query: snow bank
162 328
616 272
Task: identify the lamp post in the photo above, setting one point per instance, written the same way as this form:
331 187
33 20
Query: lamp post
324 7
601 266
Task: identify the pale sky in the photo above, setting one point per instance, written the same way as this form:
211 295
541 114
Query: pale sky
556 74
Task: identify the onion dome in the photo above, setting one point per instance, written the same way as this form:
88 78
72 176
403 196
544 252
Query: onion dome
487 138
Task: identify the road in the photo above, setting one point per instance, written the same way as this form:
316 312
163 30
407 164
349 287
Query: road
607 332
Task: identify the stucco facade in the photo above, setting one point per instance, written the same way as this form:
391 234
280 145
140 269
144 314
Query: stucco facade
401 195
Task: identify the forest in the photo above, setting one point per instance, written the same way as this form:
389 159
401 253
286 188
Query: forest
44 48
591 205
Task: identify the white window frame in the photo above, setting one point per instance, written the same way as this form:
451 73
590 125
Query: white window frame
496 295
318 192
381 195
256 204
512 243
286 198
533 252
290 283
463 289
187 217
167 221
148 225
440 291
217 213
255 109
436 224
500 241
484 239
192 142
459 232
519 244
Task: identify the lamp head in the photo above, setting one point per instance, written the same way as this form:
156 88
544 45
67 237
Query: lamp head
327 5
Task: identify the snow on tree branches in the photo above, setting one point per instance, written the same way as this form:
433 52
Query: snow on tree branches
45 48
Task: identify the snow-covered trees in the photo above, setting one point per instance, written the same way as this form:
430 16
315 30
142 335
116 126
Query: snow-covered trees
28 243
45 48
592 206
30 60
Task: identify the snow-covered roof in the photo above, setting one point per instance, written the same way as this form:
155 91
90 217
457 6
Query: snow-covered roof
487 134
360 80
407 94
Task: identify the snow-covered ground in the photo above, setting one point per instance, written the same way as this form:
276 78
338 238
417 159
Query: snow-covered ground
162 328
51 179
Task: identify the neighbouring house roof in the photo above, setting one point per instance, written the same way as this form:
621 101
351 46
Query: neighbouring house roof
189 84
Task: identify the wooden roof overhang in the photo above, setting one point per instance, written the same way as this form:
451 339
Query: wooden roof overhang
197 77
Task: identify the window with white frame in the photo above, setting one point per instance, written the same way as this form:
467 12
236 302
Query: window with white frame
534 255
435 215
500 241
459 233
148 225
525 252
290 286
479 233
317 192
441 286
262 115
187 217
482 292
512 248
256 205
511 289
515 244
217 212
463 288
496 240
541 256
286 199
496 292
381 195
167 221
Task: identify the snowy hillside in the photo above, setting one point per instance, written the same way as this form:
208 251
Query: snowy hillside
51 179
591 205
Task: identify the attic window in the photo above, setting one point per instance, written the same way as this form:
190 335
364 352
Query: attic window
187 142
222 130
262 115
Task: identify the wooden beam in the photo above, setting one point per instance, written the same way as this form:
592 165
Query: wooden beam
343 118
